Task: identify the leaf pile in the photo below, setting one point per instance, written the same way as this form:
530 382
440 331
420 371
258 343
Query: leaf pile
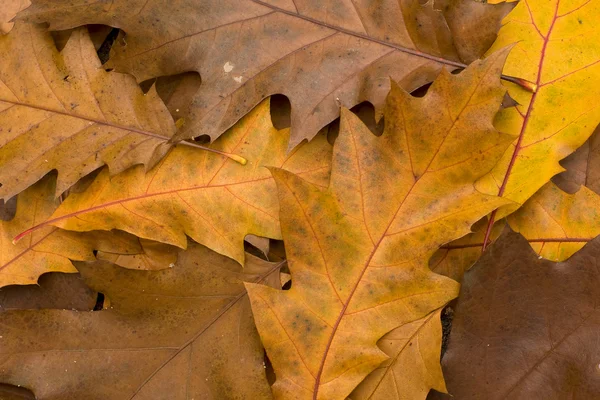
243 199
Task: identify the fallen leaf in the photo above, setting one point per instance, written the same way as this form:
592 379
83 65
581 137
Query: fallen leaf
53 290
62 111
456 257
51 249
474 25
558 224
319 54
554 46
212 199
142 254
180 333
414 365
8 11
526 328
581 167
358 250
178 92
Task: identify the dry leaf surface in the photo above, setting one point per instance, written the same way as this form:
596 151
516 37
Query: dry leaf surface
62 111
414 365
526 328
350 284
181 333
555 48
319 54
8 11
50 249
211 198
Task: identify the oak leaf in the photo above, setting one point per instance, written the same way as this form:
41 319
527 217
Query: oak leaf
62 111
212 199
414 365
51 249
319 54
526 328
555 49
558 224
180 333
358 250
456 257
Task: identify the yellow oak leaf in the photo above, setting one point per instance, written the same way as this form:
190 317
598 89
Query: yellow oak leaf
555 47
212 199
557 224
456 257
414 365
50 249
358 249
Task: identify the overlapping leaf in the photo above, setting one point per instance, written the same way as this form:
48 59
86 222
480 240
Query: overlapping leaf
319 54
53 290
414 365
456 257
51 249
582 167
62 111
555 48
526 328
8 11
211 198
180 333
556 223
358 250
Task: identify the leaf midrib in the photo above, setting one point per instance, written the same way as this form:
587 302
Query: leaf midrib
362 36
85 118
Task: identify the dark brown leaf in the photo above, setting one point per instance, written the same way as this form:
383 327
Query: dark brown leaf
526 328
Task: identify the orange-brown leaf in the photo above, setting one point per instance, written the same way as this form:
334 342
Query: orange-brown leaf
51 249
214 200
62 111
358 250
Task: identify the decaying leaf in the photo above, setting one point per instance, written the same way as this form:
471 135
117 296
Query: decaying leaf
358 250
8 10
319 54
53 290
555 48
180 333
62 111
526 328
51 249
556 223
414 365
212 199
